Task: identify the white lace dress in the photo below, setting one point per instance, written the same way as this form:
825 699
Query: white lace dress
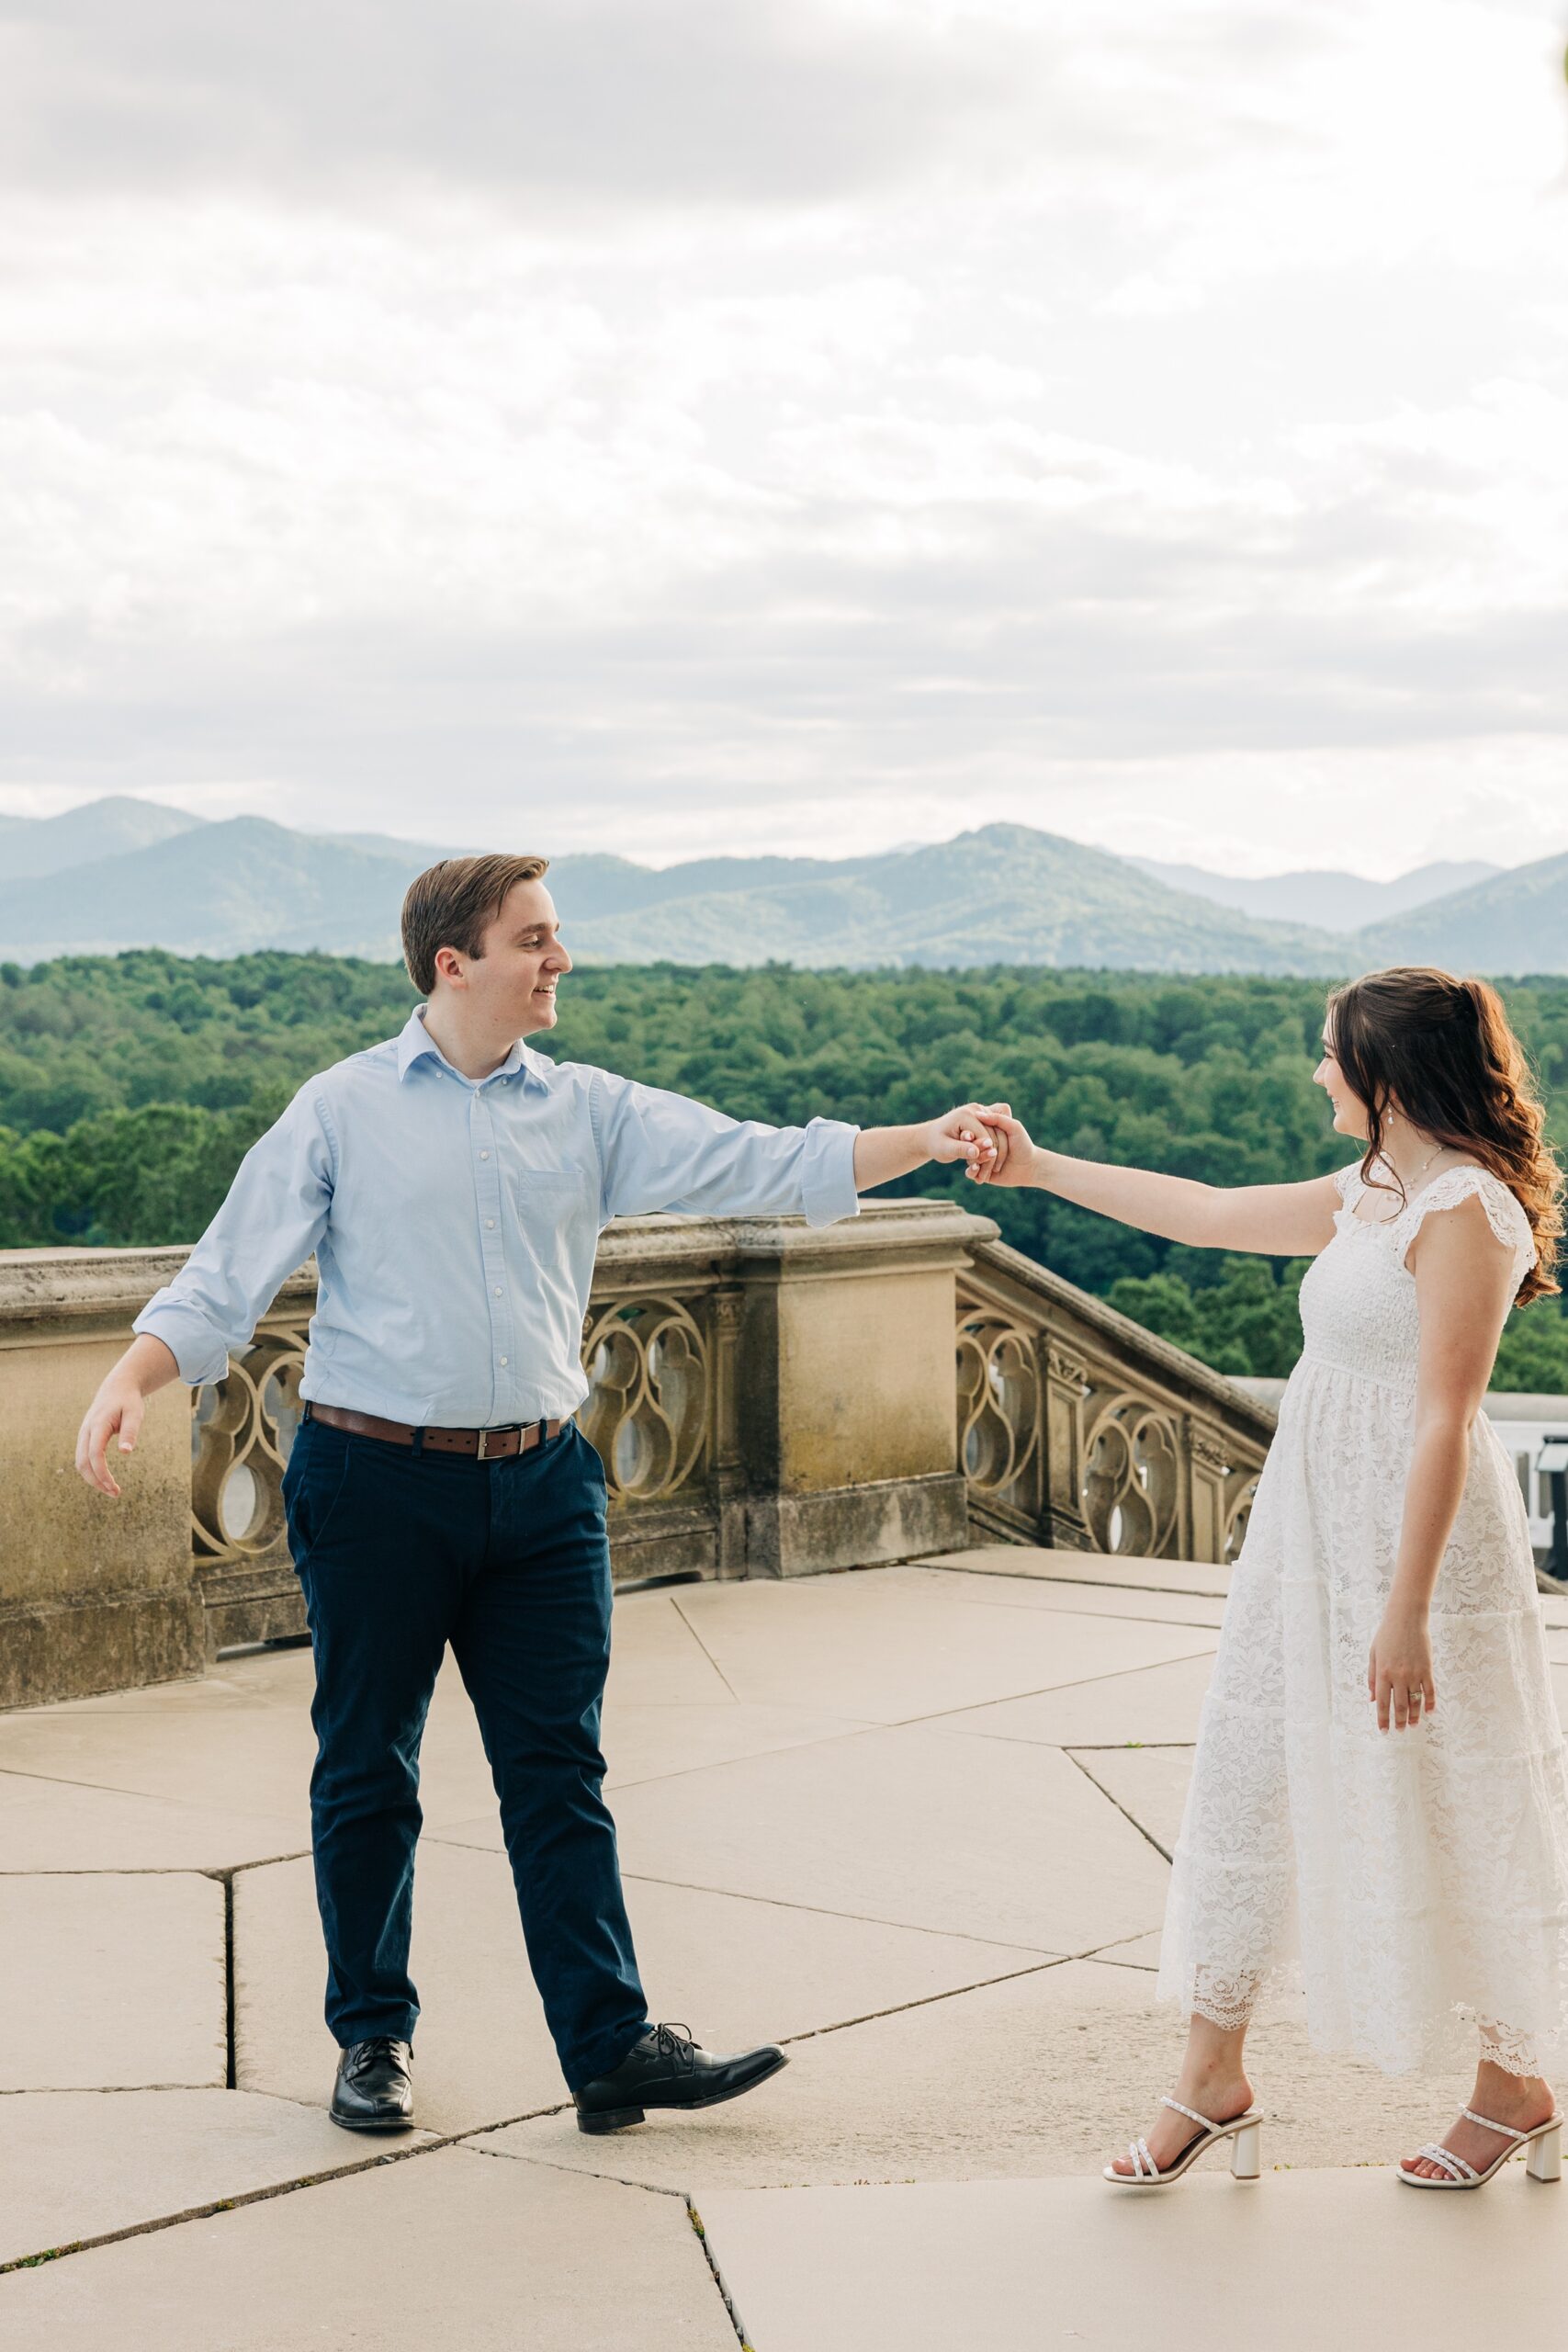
1414 1884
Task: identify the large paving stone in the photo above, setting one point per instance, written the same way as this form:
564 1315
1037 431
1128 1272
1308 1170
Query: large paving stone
645 1741
861 1646
1293 2263
1000 1839
239 1759
1136 1951
1048 2073
1000 1591
78 2164
1158 1706
452 2251
251 1753
1108 1568
738 1972
259 1678
1148 1783
112 1981
656 1658
55 1826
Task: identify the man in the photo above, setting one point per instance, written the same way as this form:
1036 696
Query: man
452 1185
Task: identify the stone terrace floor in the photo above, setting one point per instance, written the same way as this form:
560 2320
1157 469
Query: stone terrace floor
913 1822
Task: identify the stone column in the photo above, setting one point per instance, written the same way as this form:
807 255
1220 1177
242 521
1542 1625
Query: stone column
848 1415
729 1461
95 1594
1065 1378
1209 1463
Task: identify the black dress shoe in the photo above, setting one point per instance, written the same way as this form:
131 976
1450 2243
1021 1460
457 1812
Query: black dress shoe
667 2069
374 2090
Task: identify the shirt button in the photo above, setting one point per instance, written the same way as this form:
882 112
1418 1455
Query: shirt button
490 1222
503 1363
484 1155
498 1290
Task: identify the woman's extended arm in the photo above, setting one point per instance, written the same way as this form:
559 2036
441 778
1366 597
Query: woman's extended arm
1465 1278
1276 1220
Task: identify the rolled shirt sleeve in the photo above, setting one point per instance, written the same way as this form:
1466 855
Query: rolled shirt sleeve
272 1220
663 1151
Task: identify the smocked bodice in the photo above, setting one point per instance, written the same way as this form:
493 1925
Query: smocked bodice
1359 1303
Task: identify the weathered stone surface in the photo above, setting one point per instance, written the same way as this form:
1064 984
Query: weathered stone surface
458 2252
797 1535
1216 2268
739 1972
95 1590
916 1826
71 1647
111 1981
77 2165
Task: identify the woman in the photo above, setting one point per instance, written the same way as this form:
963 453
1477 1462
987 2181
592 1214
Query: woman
1378 1807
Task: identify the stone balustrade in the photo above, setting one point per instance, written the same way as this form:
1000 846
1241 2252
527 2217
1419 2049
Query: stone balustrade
768 1399
1079 1429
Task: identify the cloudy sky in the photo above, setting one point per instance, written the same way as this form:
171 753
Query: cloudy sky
682 425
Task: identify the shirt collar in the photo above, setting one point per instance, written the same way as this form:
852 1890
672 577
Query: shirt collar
415 1042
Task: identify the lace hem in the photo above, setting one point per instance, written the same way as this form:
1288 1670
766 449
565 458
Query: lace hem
1233 2002
1516 2054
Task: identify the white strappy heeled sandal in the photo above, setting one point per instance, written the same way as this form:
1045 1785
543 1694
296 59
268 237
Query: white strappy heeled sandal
1543 2163
1244 2131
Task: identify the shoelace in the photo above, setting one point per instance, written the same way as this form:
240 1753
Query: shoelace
676 2044
379 2045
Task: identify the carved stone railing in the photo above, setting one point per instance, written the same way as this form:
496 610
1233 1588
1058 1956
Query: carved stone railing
1080 1429
767 1399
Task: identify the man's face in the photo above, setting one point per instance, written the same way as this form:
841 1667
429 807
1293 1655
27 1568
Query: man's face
514 980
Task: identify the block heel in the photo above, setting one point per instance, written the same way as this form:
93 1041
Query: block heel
611 2119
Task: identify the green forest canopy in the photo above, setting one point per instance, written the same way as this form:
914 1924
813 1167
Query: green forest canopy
130 1087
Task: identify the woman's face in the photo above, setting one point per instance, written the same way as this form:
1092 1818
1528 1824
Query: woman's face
1349 1111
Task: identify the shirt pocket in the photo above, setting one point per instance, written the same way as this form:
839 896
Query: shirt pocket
552 1199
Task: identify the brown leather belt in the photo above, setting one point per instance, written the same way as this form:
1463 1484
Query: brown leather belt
485 1445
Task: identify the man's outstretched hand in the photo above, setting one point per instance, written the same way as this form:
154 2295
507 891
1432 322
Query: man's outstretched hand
963 1136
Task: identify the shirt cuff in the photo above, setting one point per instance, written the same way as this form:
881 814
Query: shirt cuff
828 1179
199 1352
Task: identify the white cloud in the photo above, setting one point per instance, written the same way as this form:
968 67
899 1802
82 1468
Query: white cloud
748 427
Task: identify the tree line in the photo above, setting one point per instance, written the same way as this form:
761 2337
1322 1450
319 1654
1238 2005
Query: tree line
131 1086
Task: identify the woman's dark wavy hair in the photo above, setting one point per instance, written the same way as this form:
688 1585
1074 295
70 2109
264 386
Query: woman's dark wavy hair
1442 1052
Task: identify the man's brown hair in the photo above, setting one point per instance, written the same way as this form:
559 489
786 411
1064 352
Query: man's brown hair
450 905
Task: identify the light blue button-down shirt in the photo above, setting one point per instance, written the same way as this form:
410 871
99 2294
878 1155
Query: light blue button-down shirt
455 1222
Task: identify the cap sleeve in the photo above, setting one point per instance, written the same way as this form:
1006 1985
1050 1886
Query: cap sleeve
1347 1181
1504 1215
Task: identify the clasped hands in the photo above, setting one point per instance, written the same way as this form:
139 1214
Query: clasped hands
994 1145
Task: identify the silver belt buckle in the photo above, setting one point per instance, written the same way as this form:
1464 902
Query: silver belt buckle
505 1429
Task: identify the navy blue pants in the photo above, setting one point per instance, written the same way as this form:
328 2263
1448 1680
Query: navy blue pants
399 1554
